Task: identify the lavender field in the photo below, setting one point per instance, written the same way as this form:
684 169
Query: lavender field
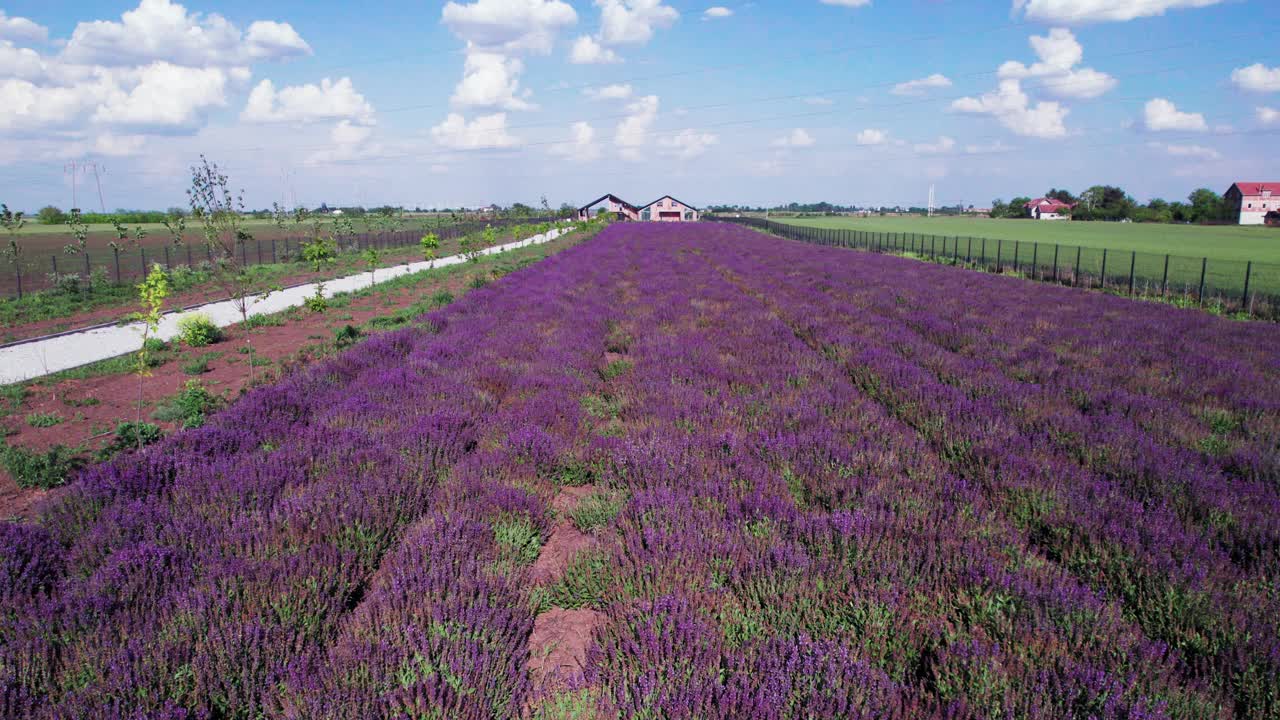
755 478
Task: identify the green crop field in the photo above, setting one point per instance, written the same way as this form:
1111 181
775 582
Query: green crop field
1097 253
1216 242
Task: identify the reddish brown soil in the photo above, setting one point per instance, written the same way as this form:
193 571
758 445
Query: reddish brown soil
565 542
558 647
302 337
569 497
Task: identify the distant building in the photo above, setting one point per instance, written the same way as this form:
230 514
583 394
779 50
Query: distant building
664 209
1248 203
1048 209
669 209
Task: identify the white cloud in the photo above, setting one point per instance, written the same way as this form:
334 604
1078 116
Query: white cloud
1188 151
872 136
631 133
491 81
267 39
1268 116
942 146
920 86
112 145
486 131
616 91
1160 114
24 63
633 22
165 31
847 3
818 101
797 138
1010 105
586 51
718 11
996 147
582 146
307 103
166 95
510 25
21 29
1257 78
1059 53
1088 11
687 143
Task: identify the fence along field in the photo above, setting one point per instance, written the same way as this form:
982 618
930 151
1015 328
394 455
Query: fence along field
1230 286
43 261
828 485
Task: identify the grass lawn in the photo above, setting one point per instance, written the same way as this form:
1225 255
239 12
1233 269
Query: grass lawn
1227 247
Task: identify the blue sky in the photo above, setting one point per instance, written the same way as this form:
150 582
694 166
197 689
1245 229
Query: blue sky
466 103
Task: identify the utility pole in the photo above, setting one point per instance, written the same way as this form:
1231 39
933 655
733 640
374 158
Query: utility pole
94 167
71 169
930 201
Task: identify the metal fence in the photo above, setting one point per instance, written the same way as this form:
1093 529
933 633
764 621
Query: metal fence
1229 286
34 273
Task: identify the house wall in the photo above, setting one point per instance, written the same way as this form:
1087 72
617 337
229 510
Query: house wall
668 204
1250 209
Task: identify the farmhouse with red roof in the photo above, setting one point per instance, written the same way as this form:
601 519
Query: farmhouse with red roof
1045 208
664 209
1249 202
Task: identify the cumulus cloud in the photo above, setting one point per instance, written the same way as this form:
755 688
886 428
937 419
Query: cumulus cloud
510 25
872 136
922 85
586 51
797 138
21 29
1160 114
687 143
716 12
582 145
164 30
1187 151
633 22
490 81
629 137
307 103
112 145
484 132
166 95
1011 106
1091 11
616 91
1268 116
1059 53
1257 78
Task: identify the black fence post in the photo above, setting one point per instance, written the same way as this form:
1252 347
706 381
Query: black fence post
115 252
1055 262
999 255
1204 265
984 253
1244 299
1035 260
87 272
1164 279
259 242
1133 261
168 263
1017 245
1102 276
968 254
1075 278
143 251
54 259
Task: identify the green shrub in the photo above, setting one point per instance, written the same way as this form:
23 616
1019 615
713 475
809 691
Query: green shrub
597 509
198 330
190 407
130 436
518 541
478 282
44 420
346 336
196 365
442 298
35 469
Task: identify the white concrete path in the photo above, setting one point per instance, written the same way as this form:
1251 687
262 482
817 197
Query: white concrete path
42 357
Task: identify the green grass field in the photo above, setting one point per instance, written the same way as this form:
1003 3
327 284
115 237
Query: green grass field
1021 243
1217 242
